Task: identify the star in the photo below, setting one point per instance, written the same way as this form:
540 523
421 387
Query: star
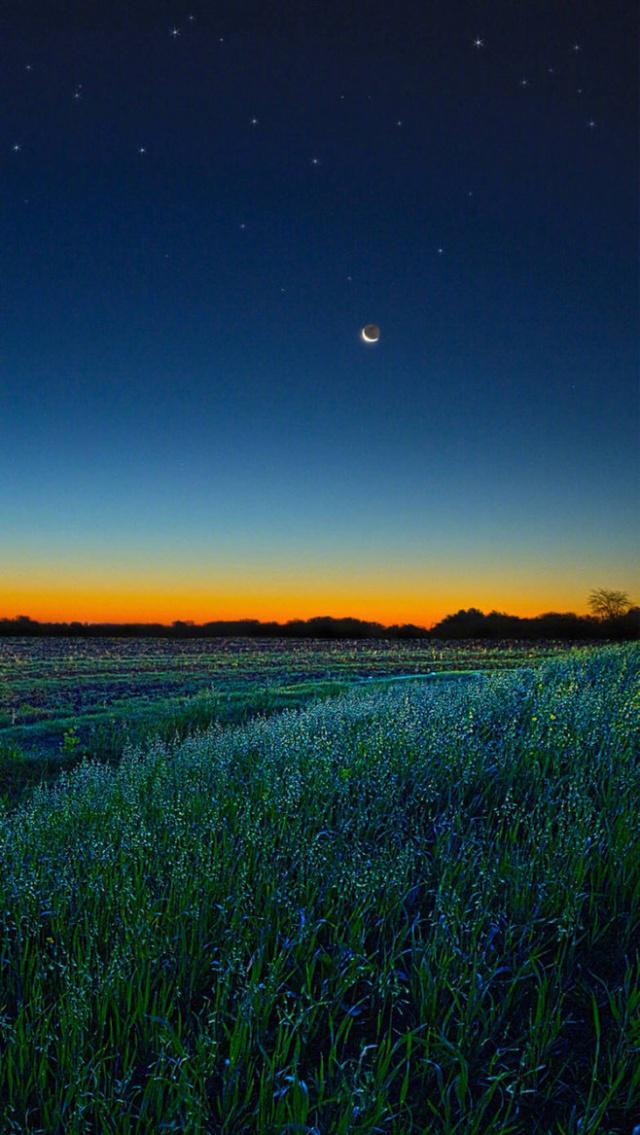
592 123
28 67
16 148
142 149
243 226
524 82
77 95
440 251
576 47
174 33
254 121
191 19
315 161
478 42
399 122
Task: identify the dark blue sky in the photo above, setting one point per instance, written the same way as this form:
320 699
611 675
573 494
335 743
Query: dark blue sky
189 422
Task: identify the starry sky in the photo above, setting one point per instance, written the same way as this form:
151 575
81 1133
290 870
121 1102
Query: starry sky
202 205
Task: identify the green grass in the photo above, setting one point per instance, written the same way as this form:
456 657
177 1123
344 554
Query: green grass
105 735
410 909
102 685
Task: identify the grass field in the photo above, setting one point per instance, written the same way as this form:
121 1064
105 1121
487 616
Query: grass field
412 908
62 699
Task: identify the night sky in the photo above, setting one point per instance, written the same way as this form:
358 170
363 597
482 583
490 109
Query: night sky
203 205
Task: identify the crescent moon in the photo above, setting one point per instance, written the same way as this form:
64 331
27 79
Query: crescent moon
370 333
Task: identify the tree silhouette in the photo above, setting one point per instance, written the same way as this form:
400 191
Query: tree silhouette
607 604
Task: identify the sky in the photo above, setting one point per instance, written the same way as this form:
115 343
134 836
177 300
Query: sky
202 205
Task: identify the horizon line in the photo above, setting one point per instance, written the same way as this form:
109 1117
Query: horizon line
251 619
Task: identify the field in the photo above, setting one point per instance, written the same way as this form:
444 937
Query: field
407 908
62 699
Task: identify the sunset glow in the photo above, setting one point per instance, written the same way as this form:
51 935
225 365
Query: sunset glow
191 426
95 594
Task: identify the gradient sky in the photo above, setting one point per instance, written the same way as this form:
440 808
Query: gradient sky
190 426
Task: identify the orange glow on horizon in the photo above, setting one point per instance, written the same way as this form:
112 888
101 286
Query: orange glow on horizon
121 604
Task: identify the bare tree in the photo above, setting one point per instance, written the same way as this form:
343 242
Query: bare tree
607 604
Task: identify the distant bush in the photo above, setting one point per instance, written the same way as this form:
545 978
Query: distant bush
470 623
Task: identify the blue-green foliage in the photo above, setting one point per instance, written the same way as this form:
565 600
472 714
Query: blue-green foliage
109 690
415 910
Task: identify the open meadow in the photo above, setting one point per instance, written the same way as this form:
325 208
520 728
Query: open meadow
65 698
411 907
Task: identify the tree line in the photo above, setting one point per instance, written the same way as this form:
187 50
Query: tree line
612 617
